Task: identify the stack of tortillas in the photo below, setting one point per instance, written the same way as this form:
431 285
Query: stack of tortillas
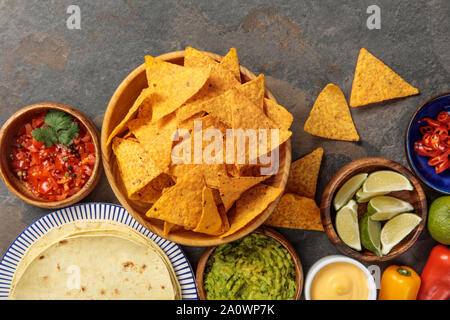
94 260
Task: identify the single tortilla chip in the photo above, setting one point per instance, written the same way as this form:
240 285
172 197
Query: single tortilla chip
375 82
196 58
168 227
296 212
210 221
304 173
231 188
254 91
250 205
172 85
152 191
143 100
181 204
330 116
278 114
231 63
136 167
155 138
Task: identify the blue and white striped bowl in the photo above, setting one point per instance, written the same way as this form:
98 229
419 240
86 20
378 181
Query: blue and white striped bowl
92 211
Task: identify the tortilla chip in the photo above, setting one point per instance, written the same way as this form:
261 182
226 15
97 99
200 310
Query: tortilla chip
136 167
375 82
182 203
304 173
296 212
254 91
144 99
221 208
208 121
250 205
196 58
279 115
246 115
330 116
210 221
231 188
168 227
231 63
211 172
155 138
220 81
172 85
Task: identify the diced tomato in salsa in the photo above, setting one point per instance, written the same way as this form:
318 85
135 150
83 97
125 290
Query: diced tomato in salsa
54 173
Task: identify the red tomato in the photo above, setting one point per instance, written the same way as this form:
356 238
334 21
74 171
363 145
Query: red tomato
56 172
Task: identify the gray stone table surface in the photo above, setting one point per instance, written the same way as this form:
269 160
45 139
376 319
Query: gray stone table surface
299 45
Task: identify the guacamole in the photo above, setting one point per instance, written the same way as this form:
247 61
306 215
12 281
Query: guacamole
253 268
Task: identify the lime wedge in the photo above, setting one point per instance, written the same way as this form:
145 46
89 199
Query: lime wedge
386 181
362 197
396 229
347 225
385 208
347 191
370 234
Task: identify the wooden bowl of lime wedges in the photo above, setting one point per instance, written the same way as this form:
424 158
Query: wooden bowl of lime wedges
373 209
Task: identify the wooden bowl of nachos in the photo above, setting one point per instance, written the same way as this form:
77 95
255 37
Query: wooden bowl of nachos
193 203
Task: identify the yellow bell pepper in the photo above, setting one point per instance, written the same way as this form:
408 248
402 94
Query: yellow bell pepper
399 283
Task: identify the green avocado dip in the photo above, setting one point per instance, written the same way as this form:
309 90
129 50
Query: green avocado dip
253 268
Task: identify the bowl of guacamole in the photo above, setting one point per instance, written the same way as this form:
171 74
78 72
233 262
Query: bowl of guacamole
260 266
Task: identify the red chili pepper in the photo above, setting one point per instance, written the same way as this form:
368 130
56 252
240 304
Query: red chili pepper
436 275
435 142
431 122
443 116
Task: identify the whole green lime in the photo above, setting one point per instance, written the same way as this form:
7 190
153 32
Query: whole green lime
439 220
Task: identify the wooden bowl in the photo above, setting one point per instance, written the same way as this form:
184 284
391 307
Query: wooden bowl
367 165
10 130
121 101
267 232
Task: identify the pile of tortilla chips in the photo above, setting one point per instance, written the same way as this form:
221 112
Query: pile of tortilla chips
297 208
218 197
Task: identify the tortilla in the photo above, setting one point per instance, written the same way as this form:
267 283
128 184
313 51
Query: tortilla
330 116
375 82
296 212
115 261
250 205
304 173
172 85
181 204
231 63
144 100
136 167
210 221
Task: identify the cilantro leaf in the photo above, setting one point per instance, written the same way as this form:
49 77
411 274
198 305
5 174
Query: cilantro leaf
46 135
66 136
61 128
58 120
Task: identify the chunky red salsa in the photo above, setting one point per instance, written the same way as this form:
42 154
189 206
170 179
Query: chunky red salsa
56 172
435 142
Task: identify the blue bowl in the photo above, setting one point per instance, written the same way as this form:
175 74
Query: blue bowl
419 164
